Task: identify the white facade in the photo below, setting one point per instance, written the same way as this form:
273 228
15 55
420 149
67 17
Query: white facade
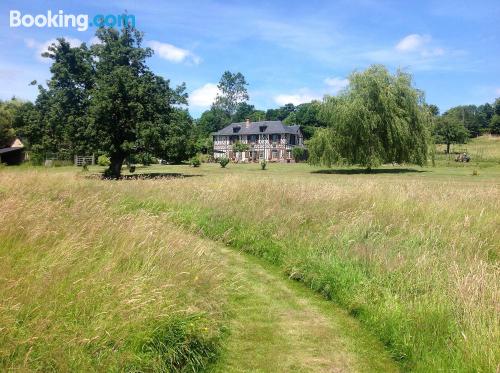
270 147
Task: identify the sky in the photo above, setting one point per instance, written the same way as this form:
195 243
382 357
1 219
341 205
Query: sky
288 51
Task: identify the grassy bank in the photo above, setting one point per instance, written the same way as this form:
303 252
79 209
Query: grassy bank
414 256
84 289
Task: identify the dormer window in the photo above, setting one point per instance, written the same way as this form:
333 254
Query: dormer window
262 128
236 129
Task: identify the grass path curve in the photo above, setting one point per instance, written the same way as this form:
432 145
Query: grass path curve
278 325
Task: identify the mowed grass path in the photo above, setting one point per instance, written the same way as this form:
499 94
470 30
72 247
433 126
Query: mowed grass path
411 252
279 326
87 285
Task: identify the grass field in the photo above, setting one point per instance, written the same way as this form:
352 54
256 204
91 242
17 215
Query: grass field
411 253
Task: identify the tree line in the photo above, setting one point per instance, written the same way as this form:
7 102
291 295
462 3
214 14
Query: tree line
104 99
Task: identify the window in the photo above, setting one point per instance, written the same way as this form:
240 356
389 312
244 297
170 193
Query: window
275 137
261 155
236 129
252 139
274 154
292 140
262 128
233 139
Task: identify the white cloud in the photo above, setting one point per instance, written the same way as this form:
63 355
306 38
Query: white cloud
172 53
413 42
497 91
336 84
203 96
304 95
41 47
420 44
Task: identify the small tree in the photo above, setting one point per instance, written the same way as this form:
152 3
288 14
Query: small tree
240 147
104 161
450 131
195 161
232 92
263 164
223 162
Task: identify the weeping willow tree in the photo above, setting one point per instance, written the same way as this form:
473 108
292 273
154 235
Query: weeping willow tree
379 118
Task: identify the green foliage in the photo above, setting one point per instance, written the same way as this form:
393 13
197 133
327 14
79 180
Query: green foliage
195 161
213 120
103 160
299 154
239 147
131 168
179 139
7 133
448 130
378 119
280 113
263 164
495 124
223 162
232 92
474 118
433 109
243 111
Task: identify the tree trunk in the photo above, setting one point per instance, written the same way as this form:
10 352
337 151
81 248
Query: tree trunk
115 167
448 148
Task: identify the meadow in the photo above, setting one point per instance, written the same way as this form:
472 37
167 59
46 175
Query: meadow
410 253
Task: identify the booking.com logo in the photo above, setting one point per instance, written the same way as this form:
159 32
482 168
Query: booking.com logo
78 21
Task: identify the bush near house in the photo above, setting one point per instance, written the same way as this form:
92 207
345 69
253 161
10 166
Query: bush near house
223 162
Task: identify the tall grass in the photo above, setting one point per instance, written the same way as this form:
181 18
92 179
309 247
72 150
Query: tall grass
416 260
83 288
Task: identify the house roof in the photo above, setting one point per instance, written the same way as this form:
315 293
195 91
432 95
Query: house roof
255 128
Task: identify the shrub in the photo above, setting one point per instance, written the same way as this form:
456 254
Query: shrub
195 161
180 344
103 160
263 164
131 168
299 154
223 162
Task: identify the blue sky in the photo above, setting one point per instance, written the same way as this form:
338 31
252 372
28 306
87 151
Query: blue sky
289 51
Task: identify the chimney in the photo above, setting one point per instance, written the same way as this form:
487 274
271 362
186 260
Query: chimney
247 122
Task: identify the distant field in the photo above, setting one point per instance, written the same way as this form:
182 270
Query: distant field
482 149
412 253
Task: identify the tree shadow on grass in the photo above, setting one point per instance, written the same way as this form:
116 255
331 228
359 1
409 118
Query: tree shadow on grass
159 175
147 176
359 171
